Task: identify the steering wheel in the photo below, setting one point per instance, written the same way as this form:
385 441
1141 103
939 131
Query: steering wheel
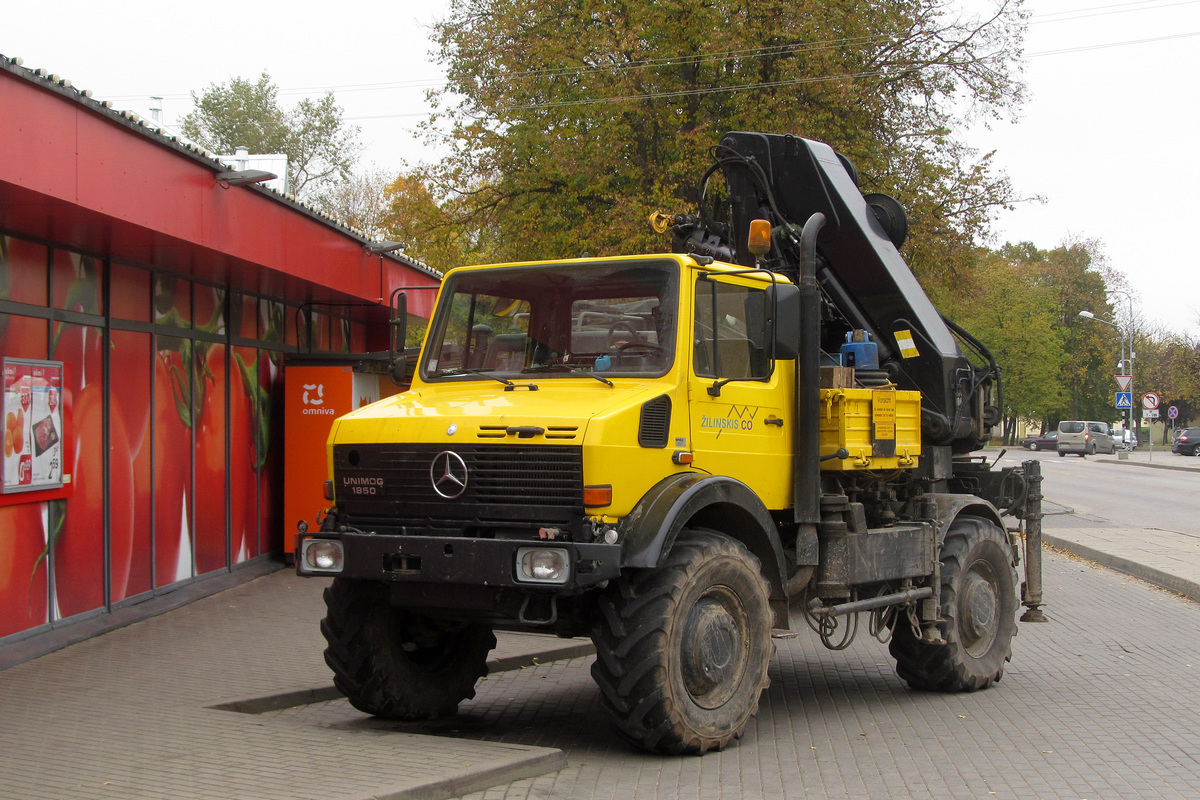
649 346
623 325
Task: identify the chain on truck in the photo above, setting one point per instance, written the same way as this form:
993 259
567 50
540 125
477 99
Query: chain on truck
680 456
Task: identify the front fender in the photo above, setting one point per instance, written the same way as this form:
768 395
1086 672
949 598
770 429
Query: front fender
951 506
703 501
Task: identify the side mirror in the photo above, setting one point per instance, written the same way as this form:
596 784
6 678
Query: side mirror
783 320
400 370
397 337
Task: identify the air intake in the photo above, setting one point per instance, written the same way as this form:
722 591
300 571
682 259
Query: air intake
656 422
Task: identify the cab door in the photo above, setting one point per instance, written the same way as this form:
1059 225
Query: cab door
741 414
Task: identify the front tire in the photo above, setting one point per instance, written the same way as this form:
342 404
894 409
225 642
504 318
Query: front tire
396 664
1033 446
978 605
682 650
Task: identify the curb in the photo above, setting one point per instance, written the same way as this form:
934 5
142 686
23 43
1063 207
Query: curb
1157 577
1148 465
479 780
528 762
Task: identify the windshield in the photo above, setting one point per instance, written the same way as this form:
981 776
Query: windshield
607 318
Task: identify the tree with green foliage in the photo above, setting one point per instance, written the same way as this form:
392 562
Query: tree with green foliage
1169 364
434 229
321 148
572 120
1075 277
1011 313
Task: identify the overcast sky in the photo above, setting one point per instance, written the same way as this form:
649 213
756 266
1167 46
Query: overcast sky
1108 138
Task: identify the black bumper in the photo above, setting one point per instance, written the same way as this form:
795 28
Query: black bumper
464 561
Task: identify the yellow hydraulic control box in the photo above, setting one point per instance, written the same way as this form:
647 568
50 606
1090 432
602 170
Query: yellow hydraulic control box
880 428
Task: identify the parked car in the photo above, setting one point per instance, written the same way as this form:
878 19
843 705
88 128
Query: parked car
1084 437
1045 441
1126 439
1187 442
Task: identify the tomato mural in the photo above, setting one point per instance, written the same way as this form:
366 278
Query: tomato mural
129 396
22 271
78 530
23 590
171 458
243 470
22 337
194 471
269 452
210 462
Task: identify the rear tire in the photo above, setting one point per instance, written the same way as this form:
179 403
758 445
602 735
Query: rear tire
682 650
393 663
979 605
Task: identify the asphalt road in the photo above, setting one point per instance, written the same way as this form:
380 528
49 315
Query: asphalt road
1121 494
1101 702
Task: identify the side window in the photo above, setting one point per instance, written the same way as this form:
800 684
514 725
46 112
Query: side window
730 331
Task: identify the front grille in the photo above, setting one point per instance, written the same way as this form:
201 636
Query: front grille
496 476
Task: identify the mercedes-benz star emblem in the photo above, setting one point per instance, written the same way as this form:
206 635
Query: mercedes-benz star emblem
448 473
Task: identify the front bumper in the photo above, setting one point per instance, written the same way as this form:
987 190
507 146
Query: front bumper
459 560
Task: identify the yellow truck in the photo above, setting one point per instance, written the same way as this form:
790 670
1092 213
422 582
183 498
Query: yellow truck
678 455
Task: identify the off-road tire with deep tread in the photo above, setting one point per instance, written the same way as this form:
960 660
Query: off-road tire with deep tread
393 663
682 650
979 606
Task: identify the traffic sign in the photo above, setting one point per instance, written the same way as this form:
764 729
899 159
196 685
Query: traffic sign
1124 399
1173 412
1124 383
1150 413
1150 401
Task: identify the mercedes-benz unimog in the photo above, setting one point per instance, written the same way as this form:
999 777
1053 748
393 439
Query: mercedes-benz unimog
679 455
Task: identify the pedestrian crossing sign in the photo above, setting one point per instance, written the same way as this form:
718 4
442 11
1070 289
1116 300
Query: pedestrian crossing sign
1124 399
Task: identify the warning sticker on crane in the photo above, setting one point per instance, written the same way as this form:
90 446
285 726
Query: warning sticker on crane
908 347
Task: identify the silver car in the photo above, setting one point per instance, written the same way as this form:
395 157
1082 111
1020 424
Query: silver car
1084 438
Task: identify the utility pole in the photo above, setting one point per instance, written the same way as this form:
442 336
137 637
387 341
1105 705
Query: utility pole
1131 418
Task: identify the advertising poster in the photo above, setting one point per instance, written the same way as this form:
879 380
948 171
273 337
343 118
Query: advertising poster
32 409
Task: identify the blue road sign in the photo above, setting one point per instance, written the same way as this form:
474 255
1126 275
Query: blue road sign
1173 412
1124 399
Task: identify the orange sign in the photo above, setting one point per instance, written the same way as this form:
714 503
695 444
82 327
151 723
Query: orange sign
314 398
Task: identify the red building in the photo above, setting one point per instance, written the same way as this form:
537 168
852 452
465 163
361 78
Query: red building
170 298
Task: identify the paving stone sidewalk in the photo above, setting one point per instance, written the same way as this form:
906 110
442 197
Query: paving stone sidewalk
135 714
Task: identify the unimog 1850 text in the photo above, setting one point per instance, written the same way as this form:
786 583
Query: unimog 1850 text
668 453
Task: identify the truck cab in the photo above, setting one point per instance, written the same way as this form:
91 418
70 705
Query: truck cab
548 402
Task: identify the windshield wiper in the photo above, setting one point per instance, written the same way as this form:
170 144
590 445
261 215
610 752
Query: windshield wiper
567 368
453 371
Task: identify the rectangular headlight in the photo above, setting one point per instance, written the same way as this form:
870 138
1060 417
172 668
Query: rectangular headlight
543 565
322 555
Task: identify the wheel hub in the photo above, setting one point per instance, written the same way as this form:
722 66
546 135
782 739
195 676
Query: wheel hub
978 612
713 652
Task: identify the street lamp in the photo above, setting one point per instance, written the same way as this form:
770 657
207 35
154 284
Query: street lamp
1131 419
